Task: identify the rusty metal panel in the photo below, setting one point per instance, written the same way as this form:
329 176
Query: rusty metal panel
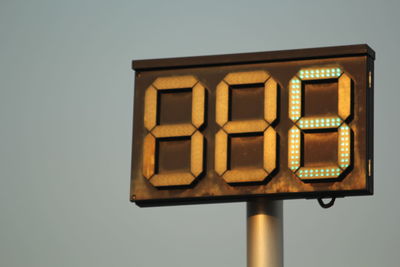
285 124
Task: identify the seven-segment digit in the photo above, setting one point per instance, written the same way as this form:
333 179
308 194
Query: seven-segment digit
316 124
173 130
246 126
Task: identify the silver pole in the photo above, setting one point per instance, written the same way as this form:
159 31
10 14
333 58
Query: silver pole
264 233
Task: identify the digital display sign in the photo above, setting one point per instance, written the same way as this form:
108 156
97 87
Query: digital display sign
283 124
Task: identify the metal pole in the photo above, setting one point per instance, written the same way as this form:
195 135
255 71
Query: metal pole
264 233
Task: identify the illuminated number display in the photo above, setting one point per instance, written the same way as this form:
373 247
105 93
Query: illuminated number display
294 124
303 124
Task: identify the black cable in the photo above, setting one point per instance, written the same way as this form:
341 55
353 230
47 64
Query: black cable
326 205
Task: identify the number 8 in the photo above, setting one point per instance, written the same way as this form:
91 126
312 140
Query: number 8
174 130
248 126
317 123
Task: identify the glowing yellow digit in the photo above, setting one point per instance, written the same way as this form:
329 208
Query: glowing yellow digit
319 123
246 126
174 130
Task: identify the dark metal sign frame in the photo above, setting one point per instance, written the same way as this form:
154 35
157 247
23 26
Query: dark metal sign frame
283 124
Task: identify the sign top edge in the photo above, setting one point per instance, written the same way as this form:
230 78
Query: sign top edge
253 57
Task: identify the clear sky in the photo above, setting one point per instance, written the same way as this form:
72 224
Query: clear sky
66 89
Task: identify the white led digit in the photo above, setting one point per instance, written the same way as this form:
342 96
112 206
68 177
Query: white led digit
302 123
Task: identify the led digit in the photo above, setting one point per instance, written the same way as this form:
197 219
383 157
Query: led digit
302 123
175 130
229 127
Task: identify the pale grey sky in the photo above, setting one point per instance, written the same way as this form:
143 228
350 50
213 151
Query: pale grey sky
66 91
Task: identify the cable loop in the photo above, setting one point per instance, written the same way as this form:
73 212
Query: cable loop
326 205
